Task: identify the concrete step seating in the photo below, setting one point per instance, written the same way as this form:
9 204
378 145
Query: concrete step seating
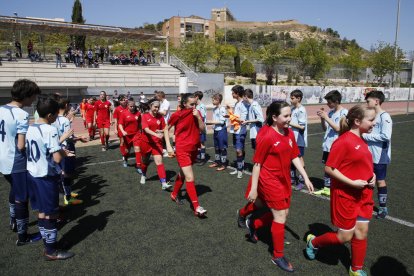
47 75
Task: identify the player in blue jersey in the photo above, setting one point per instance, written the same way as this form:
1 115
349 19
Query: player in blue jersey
44 154
255 117
201 156
237 115
219 123
330 123
299 125
379 143
14 122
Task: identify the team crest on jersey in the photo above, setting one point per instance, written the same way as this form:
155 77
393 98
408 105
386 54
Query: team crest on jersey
106 106
276 144
357 147
158 122
136 117
290 142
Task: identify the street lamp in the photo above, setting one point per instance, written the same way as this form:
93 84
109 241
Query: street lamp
394 74
20 31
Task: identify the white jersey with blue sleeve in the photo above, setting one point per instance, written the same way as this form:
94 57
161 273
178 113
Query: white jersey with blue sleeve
255 113
62 125
379 140
330 134
218 116
300 117
42 140
203 111
13 121
241 110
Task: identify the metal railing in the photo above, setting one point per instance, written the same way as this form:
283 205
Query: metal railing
189 73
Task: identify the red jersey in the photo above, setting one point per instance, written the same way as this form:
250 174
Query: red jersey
103 110
89 110
130 122
350 155
187 132
154 124
118 111
274 153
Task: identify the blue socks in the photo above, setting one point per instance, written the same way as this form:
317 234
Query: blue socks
223 157
382 196
50 234
240 163
22 219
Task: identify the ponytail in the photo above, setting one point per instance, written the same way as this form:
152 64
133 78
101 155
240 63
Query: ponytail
357 112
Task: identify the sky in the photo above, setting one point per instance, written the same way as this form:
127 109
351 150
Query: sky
366 21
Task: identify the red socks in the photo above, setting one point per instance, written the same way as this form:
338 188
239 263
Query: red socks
192 193
359 250
91 132
102 139
247 209
144 168
178 184
138 159
123 150
264 220
161 171
278 237
326 239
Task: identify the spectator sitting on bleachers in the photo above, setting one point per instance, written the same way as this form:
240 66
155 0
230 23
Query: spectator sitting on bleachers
114 59
90 57
143 60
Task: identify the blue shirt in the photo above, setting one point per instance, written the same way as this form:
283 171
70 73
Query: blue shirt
330 134
241 110
379 140
255 113
62 125
300 117
203 111
218 116
13 121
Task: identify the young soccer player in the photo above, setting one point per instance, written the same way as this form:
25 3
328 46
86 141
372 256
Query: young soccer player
188 124
219 123
351 168
299 125
270 182
103 119
237 116
330 123
153 126
379 143
165 110
82 107
14 122
123 106
255 117
43 157
129 124
201 156
67 140
89 117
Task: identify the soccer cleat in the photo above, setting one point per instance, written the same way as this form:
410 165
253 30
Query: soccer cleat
176 199
233 172
59 255
251 236
201 162
213 165
143 178
382 213
165 186
30 239
73 194
103 148
299 187
221 168
310 250
200 211
283 263
239 174
139 170
241 221
125 164
326 191
72 201
359 272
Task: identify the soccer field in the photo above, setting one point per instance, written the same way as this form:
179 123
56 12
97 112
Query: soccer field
124 227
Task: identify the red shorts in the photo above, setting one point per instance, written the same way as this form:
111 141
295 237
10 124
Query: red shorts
146 148
186 158
279 204
102 125
89 120
129 141
346 210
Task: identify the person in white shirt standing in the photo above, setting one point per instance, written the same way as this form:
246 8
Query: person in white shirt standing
164 111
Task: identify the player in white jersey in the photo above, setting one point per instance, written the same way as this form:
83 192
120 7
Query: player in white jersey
14 122
379 143
201 155
164 111
255 117
44 154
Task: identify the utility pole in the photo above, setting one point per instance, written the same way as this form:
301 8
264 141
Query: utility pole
394 77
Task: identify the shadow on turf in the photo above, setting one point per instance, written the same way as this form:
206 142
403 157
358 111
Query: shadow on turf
317 183
169 174
330 255
386 265
85 227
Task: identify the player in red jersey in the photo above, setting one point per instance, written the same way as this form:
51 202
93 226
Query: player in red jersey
123 106
270 181
153 128
90 117
351 168
129 127
103 117
187 123
82 107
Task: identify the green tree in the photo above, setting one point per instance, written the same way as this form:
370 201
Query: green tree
77 17
237 67
383 61
221 51
353 61
247 68
312 58
196 52
270 55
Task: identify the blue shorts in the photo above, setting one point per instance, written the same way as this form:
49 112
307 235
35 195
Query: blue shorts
46 193
68 164
238 141
253 142
325 156
380 171
21 187
301 151
220 139
203 137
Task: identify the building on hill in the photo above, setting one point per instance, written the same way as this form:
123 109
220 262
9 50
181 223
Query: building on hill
221 15
180 29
